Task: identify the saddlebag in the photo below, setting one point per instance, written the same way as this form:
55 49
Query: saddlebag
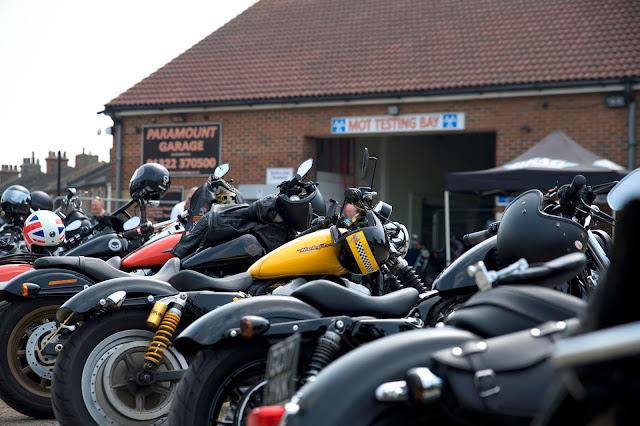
502 380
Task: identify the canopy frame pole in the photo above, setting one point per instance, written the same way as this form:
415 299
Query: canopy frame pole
447 229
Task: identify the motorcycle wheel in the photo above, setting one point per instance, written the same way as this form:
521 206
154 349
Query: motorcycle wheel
93 379
216 385
25 372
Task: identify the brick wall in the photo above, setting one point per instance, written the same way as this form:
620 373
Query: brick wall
256 139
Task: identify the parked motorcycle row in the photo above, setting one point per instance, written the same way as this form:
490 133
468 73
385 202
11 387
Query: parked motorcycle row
288 310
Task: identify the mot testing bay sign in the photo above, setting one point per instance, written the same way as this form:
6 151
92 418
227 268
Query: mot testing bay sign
442 121
185 149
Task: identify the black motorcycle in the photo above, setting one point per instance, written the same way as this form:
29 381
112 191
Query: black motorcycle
139 316
449 376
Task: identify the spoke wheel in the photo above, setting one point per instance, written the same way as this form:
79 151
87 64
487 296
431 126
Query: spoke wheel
225 406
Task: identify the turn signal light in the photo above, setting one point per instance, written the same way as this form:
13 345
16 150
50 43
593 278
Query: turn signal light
29 288
253 325
268 415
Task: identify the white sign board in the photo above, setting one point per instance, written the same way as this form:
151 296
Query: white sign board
276 175
443 121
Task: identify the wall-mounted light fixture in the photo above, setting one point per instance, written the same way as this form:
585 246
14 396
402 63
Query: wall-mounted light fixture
393 110
178 118
525 128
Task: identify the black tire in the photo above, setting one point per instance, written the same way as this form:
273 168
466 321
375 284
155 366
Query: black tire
90 383
212 379
22 387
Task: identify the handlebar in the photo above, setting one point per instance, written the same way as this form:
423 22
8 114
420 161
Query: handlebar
480 236
145 228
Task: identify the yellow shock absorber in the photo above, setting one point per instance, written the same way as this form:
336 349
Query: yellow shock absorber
163 337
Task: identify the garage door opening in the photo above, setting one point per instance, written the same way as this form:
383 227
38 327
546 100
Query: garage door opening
410 176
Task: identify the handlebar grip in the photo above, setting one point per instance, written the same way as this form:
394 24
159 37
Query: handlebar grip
577 185
312 228
475 237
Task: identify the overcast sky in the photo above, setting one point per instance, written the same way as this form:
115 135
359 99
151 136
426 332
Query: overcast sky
62 61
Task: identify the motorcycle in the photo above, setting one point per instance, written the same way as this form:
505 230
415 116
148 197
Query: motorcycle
470 379
334 328
310 255
179 300
36 294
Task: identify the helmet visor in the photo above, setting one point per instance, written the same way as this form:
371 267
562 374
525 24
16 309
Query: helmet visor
14 196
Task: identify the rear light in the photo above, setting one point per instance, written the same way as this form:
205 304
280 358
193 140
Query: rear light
268 415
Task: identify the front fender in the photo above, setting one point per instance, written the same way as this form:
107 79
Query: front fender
88 298
211 328
52 282
324 401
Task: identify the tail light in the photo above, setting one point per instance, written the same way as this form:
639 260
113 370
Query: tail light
268 415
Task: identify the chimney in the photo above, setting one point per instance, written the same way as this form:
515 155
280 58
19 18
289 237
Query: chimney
52 162
8 172
83 160
30 167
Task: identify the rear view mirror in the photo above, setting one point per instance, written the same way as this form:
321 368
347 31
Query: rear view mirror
365 161
305 167
76 224
132 223
220 171
627 189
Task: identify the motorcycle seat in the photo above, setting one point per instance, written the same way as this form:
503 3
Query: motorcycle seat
333 299
92 267
194 281
101 270
168 270
507 309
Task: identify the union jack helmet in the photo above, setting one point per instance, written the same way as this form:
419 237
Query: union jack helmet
43 228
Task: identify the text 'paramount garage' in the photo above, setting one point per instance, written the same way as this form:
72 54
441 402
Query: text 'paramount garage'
192 149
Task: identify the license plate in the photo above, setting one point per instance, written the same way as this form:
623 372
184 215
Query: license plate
282 367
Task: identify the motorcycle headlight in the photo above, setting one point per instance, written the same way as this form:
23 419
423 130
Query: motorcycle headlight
398 236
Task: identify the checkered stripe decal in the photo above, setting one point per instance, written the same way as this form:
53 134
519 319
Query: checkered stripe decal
364 257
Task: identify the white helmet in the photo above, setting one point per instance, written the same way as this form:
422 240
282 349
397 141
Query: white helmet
43 228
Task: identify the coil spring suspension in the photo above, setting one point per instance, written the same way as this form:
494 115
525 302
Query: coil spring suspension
163 336
325 352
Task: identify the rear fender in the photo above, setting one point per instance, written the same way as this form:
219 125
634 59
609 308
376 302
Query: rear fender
87 299
212 327
324 401
51 282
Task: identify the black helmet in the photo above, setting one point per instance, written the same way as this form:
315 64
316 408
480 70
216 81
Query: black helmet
150 181
527 232
296 212
16 201
363 250
40 200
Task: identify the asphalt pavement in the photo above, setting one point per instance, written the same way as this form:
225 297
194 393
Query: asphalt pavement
8 416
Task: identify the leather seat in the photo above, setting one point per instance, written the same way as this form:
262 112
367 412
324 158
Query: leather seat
92 267
99 269
333 299
507 309
194 281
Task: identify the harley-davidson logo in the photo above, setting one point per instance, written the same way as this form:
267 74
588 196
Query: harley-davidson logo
318 247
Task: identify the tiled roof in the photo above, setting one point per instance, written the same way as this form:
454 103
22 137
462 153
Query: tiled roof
279 49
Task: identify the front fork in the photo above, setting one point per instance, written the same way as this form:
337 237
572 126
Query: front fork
165 316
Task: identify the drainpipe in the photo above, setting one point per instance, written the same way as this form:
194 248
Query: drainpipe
118 124
632 125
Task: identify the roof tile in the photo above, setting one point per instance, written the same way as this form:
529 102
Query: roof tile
279 49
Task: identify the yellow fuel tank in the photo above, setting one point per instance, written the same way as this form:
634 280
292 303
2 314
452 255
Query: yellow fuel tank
312 254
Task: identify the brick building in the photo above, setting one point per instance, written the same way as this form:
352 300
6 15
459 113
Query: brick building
430 87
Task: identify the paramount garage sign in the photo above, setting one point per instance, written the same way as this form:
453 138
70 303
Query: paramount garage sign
185 150
398 124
